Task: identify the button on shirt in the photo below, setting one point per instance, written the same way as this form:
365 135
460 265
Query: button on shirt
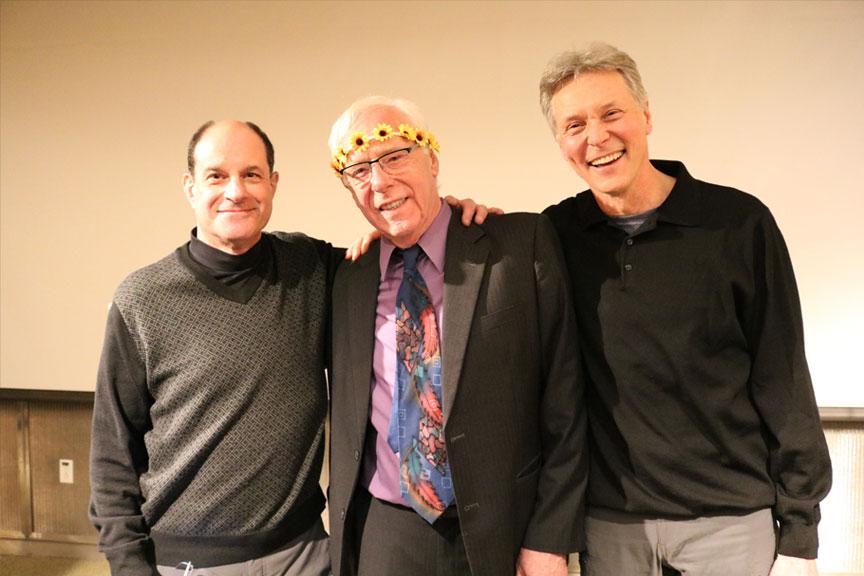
380 473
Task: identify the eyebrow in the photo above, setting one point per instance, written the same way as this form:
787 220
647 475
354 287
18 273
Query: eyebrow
219 168
604 106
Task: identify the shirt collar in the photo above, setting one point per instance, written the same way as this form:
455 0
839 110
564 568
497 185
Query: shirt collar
217 260
433 242
680 207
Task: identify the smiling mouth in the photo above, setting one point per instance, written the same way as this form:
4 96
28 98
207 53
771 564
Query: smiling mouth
392 205
608 159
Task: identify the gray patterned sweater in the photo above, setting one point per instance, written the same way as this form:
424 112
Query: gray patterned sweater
208 427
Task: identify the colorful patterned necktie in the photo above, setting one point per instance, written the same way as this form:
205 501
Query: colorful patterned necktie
416 421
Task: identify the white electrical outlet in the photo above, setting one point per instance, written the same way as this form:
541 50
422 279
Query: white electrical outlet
67 471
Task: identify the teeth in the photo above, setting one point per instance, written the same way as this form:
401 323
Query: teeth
393 205
607 159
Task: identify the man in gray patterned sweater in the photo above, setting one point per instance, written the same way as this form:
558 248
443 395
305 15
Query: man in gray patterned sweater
208 428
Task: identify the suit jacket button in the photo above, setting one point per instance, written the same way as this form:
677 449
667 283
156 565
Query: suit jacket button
342 514
356 455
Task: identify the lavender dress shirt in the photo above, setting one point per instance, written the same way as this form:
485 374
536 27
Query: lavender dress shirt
380 474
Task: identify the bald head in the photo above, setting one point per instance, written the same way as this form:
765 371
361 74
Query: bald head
196 138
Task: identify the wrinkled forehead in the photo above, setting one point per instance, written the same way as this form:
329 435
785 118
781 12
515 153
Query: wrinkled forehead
601 85
369 119
230 143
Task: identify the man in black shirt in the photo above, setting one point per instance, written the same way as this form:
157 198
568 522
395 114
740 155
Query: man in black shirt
705 431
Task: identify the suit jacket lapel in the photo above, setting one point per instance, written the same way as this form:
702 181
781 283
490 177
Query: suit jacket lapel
464 265
364 278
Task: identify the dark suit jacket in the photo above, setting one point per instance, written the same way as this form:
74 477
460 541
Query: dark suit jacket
512 392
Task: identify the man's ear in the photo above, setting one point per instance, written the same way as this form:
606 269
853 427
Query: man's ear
434 157
648 125
274 181
188 187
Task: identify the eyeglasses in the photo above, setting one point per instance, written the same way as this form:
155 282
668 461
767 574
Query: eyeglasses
392 163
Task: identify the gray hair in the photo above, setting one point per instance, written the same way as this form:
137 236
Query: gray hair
598 57
339 132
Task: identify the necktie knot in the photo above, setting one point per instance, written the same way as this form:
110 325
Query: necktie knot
409 258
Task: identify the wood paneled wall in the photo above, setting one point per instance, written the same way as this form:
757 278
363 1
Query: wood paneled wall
58 431
14 519
841 531
34 435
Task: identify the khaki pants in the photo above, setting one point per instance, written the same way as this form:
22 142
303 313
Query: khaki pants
620 543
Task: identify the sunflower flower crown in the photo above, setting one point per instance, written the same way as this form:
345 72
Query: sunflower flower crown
360 142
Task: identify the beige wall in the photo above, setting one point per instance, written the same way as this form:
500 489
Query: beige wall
98 100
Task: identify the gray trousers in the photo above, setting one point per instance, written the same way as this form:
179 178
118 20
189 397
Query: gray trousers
620 543
306 555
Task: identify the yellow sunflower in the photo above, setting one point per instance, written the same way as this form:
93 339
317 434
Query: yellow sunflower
433 144
406 131
359 141
420 137
340 156
384 132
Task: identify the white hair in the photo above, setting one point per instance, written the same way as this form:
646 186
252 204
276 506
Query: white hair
339 132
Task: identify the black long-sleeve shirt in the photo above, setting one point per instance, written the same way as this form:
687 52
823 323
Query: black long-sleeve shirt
699 399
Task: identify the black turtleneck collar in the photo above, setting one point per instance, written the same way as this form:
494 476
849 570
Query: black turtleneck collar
239 274
225 267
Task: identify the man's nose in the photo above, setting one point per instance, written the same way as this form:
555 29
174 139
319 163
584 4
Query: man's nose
235 189
378 177
597 133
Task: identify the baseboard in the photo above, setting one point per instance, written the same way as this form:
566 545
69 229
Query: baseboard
14 547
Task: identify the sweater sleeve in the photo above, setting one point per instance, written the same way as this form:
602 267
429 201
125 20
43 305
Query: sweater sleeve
783 393
118 455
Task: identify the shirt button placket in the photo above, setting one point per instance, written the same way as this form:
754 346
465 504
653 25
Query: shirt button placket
626 255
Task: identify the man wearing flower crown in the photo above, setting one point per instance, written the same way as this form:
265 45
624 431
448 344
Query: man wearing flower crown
208 428
457 423
705 432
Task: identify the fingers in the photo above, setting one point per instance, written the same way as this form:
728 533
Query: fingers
471 211
361 245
